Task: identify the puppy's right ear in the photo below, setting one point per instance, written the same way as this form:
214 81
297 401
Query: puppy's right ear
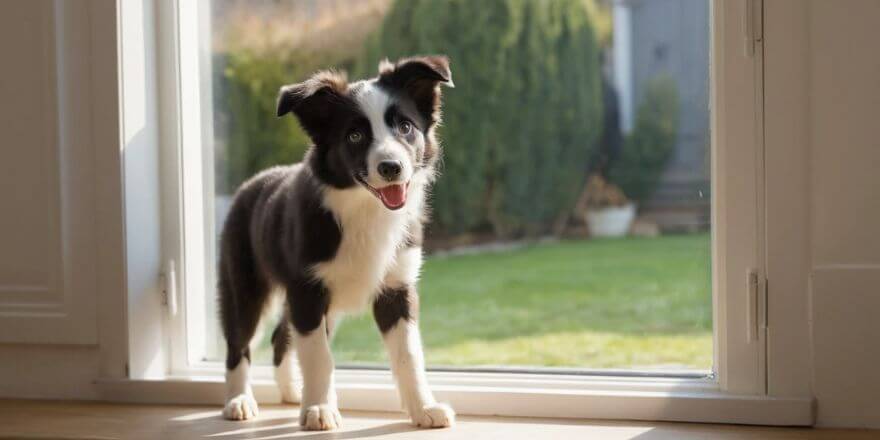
314 100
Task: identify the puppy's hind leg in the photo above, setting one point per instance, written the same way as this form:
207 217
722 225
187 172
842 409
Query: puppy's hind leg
243 294
287 374
240 402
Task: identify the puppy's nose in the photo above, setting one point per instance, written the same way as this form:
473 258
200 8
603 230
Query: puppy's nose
390 169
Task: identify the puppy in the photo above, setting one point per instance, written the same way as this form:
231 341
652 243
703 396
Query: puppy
338 232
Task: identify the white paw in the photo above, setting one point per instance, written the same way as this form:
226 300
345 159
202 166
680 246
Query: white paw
290 392
322 417
241 407
438 415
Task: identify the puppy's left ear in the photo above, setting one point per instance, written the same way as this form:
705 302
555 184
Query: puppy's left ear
431 68
420 78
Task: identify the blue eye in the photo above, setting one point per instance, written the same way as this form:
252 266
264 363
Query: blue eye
355 137
405 128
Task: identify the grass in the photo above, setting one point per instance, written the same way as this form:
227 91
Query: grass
616 303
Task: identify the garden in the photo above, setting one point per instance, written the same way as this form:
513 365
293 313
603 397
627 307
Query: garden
520 270
614 303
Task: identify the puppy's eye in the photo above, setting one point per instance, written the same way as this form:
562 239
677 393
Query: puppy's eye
355 137
405 128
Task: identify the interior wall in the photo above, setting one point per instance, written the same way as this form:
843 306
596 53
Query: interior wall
61 247
822 94
844 103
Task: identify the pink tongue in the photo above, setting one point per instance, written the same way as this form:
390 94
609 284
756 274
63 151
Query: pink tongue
394 196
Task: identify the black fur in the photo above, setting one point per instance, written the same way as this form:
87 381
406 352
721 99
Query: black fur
275 230
308 305
235 356
282 339
392 305
419 79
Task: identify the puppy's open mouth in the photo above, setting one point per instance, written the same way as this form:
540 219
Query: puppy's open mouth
392 196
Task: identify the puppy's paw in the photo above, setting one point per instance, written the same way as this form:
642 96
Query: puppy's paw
322 417
438 415
290 392
241 407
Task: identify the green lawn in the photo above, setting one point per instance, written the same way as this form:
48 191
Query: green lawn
617 303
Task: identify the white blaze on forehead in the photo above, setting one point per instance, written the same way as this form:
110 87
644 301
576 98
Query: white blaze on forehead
374 101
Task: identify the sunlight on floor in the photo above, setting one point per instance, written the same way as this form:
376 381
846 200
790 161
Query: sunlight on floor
195 416
91 420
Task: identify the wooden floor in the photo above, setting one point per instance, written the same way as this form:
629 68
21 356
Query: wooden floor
66 420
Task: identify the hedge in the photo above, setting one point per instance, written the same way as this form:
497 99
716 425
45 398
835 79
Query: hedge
246 85
518 129
525 114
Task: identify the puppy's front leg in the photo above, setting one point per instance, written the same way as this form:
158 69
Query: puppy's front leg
318 410
395 311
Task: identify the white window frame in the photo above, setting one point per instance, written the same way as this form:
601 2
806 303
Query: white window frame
738 393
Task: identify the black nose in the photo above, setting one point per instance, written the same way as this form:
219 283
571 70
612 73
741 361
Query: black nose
389 169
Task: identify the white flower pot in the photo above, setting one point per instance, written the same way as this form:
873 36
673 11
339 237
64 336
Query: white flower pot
613 221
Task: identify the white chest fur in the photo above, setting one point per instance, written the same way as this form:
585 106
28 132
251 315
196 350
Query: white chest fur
371 236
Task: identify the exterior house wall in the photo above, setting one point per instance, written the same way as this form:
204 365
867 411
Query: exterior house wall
671 37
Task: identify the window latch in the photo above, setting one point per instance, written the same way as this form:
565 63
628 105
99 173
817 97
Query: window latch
169 288
756 306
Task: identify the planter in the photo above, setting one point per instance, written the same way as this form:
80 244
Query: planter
613 221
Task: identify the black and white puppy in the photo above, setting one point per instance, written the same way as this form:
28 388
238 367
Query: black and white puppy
336 233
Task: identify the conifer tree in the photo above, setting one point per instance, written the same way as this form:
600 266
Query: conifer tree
525 114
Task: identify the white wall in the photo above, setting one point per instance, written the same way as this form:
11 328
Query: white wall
61 262
844 103
822 102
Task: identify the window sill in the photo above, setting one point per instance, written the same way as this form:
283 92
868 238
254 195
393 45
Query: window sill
505 394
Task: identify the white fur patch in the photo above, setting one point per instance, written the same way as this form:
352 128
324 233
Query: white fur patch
237 380
316 363
371 235
406 267
241 407
320 418
374 101
288 378
404 345
240 403
318 410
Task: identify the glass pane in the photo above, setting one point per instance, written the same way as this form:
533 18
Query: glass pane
570 223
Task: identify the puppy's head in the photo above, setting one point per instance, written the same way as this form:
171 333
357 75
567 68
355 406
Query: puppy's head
376 133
